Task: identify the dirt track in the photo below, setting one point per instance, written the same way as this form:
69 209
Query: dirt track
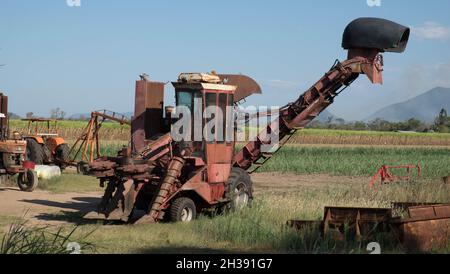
42 207
39 207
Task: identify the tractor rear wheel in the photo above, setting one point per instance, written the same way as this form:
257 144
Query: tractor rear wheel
62 155
183 210
28 181
239 190
35 152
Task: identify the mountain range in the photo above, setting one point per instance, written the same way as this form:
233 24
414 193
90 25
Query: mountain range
424 107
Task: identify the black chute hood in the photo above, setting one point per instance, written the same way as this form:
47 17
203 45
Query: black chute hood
376 33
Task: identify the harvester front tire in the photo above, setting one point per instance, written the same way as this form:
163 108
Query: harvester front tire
35 152
28 181
239 190
183 210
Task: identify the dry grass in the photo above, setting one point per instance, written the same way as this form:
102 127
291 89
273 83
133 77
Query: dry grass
348 137
262 227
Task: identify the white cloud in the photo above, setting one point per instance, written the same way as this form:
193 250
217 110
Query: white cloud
432 31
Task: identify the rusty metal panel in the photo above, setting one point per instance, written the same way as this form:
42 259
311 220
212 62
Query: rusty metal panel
406 205
218 173
425 235
446 180
148 112
430 212
4 121
246 86
13 147
347 214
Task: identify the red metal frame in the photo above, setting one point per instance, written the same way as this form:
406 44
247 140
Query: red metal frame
385 175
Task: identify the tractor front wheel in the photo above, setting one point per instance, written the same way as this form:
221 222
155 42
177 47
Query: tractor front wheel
183 210
28 181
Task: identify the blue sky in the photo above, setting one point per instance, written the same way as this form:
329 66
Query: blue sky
88 57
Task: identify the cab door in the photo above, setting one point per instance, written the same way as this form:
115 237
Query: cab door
219 145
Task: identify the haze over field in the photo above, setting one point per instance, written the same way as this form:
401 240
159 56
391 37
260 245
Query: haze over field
424 107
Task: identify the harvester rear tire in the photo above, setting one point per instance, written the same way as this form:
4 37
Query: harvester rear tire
35 152
183 210
239 190
28 181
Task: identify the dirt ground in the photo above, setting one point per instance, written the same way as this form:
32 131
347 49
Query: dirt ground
40 207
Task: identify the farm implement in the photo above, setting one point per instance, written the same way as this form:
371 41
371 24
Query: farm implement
174 179
385 174
425 228
87 145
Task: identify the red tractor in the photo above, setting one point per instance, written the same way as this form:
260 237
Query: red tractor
12 153
172 178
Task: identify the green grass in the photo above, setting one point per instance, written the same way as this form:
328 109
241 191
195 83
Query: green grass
363 161
22 238
70 183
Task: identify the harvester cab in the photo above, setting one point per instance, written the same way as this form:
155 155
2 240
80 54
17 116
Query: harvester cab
195 168
205 122
12 153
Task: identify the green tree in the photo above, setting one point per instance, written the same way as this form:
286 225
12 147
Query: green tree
414 125
359 126
442 122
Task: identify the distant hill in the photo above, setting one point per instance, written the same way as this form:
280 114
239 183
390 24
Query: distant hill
13 116
326 116
424 107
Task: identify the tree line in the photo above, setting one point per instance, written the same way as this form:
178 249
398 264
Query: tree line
441 124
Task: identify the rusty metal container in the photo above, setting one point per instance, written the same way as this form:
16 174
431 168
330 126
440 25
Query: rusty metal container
426 229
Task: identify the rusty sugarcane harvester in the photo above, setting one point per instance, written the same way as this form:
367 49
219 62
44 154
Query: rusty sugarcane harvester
169 179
